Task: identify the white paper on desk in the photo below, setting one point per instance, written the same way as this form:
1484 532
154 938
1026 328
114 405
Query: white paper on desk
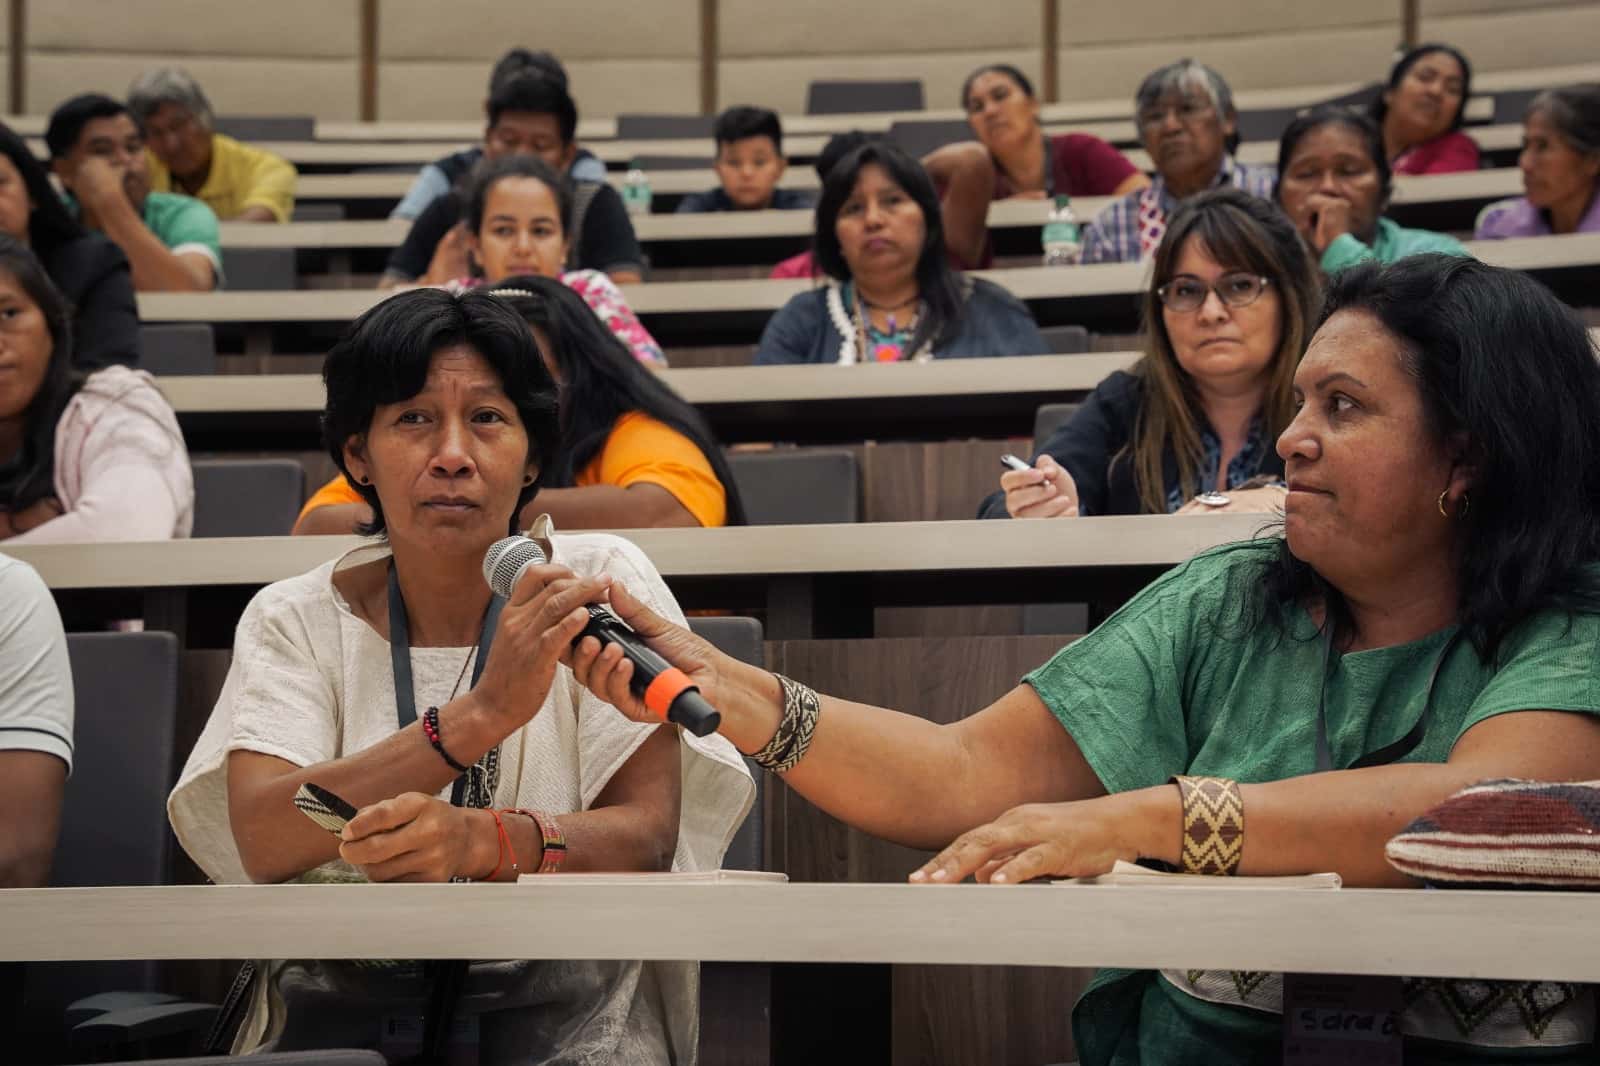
687 877
1128 873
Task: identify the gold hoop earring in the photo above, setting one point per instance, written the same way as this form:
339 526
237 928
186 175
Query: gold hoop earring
1466 505
1442 511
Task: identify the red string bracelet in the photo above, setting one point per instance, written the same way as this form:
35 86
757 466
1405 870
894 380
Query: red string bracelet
504 843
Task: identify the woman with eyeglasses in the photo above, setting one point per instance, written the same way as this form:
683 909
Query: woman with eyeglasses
1191 427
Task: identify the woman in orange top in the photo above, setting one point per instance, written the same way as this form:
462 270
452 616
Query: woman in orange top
634 453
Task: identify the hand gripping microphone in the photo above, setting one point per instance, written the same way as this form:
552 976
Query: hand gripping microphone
664 688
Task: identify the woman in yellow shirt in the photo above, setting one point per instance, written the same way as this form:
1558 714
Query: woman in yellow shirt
634 453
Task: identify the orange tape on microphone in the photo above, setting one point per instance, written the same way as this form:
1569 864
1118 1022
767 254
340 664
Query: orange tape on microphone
668 686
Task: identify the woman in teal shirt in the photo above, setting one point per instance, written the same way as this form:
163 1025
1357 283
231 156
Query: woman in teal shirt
1430 619
1334 183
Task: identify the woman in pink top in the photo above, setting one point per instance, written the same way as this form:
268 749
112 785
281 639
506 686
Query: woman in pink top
1421 110
517 216
81 458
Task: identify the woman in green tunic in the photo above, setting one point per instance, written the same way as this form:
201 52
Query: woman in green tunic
1430 619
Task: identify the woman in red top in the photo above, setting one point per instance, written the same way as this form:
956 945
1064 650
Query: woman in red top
1004 114
1420 112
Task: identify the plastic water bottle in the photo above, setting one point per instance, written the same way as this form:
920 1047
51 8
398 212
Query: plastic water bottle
1062 236
636 194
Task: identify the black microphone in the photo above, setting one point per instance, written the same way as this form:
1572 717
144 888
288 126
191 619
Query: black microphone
664 688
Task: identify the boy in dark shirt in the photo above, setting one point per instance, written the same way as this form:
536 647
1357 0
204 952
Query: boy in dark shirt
749 164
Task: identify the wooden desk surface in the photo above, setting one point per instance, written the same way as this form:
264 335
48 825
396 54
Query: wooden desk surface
1507 935
1473 186
907 548
712 386
765 295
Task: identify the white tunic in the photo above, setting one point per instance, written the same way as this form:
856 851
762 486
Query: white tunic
311 682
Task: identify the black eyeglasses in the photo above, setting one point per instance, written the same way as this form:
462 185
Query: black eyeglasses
1187 292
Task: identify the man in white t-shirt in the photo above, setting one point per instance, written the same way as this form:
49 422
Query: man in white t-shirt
35 725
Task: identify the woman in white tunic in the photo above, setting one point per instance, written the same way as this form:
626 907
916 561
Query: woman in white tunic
393 678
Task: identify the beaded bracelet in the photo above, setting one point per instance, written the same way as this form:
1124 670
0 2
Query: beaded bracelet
554 852
789 744
1213 825
430 728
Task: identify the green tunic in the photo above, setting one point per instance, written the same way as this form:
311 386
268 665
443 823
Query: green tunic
1176 682
1391 242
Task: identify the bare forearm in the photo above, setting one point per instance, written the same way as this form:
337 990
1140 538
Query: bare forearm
639 506
334 518
256 213
155 267
276 842
904 778
1340 821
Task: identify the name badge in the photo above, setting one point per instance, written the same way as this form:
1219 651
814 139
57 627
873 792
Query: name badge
1332 1020
401 1038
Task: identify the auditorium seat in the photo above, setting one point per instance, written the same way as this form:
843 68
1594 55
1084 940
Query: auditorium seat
1049 418
918 137
786 487
178 348
267 127
319 212
736 997
255 269
1066 340
663 127
247 497
860 97
672 162
114 832
1265 124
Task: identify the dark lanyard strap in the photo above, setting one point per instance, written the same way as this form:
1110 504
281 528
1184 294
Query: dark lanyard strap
1389 752
448 975
1049 169
405 697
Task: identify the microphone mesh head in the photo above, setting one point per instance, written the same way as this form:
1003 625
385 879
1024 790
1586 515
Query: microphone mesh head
505 560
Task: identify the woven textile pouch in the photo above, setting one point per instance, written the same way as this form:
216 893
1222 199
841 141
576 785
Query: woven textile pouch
1509 832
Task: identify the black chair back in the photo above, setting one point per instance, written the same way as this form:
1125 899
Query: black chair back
788 487
178 348
247 497
855 97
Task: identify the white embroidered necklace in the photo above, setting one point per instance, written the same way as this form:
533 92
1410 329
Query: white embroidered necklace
851 327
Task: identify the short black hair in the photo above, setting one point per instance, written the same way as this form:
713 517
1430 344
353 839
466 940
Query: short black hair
521 61
742 123
384 357
536 94
996 68
487 176
1328 115
1397 73
1532 533
67 121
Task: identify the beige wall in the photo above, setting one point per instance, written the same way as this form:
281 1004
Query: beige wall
433 56
285 57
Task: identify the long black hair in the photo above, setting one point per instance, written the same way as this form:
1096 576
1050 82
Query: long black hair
601 381
49 224
384 357
938 284
1498 360
34 478
1397 73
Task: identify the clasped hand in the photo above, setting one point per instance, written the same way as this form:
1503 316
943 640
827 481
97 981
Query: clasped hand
412 837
